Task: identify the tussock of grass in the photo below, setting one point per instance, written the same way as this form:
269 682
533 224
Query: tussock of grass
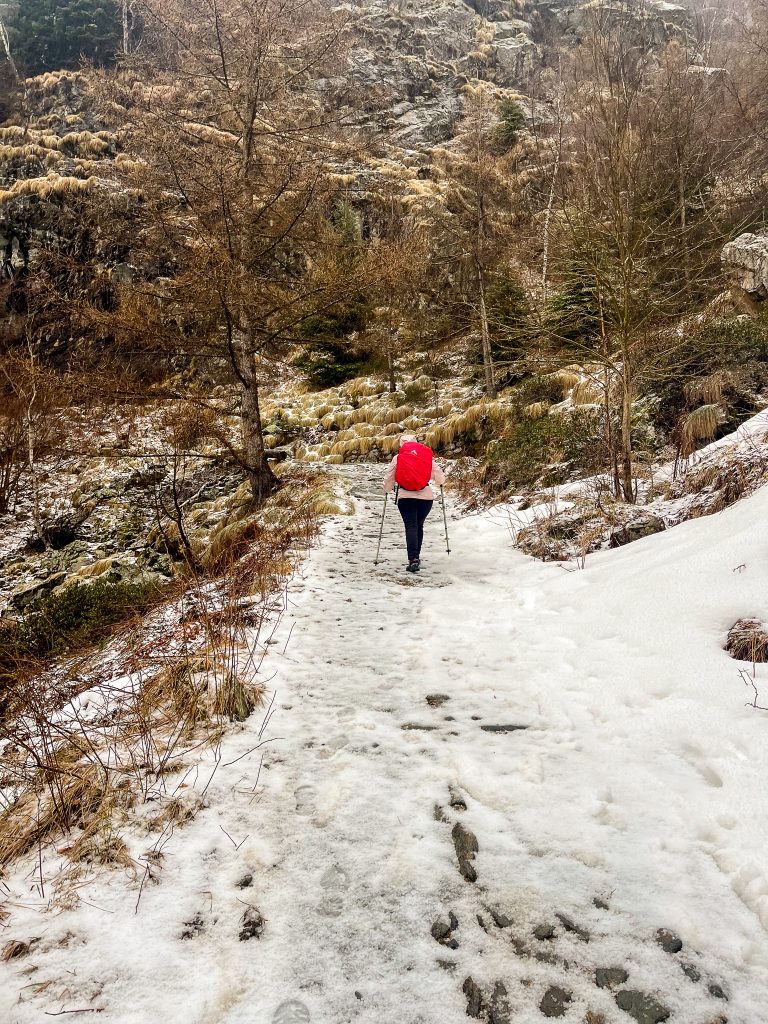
698 426
747 640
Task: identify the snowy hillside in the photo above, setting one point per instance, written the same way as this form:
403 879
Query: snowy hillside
481 789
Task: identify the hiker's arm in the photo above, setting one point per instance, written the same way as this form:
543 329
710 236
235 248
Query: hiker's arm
389 479
438 475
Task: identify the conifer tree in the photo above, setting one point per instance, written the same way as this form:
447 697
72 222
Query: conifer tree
47 35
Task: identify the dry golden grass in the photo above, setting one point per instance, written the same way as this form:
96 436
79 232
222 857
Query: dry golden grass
586 393
699 425
51 184
535 410
747 640
708 390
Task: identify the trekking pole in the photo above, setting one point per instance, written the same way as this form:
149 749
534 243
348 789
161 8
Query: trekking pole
381 530
445 520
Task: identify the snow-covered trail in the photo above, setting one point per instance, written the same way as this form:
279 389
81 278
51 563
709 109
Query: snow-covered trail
630 800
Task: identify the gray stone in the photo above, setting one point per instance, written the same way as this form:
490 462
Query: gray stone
502 728
641 1007
600 903
436 700
501 920
692 972
23 597
466 845
610 977
745 259
555 1001
499 1011
246 881
571 926
716 991
669 941
474 998
544 932
442 931
646 526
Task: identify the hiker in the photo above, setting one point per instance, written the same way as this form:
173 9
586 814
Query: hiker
412 469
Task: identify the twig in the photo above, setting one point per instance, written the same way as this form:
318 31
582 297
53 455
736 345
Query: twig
290 633
88 1009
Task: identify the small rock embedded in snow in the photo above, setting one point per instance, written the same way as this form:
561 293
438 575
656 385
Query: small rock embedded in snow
641 1007
246 881
571 926
466 846
503 728
499 1011
608 977
668 941
474 998
436 700
251 925
544 932
716 991
692 972
441 931
501 920
555 1001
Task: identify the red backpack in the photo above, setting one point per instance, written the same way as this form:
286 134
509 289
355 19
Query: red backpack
414 466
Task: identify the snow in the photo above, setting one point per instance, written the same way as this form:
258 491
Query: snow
638 779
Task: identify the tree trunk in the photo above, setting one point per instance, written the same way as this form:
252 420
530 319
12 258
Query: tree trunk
627 482
126 30
258 471
37 518
391 370
609 438
5 40
490 384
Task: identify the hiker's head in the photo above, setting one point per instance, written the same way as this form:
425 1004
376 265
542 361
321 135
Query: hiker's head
405 438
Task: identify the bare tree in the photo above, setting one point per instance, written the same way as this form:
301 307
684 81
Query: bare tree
236 169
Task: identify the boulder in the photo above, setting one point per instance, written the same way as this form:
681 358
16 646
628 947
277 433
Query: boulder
24 596
638 528
746 261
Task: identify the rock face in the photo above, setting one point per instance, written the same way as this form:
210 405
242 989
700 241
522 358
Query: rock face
644 527
746 259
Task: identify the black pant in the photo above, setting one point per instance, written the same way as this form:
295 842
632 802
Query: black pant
414 511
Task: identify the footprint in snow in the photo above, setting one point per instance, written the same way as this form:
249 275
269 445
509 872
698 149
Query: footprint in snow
334 881
306 800
332 746
291 1012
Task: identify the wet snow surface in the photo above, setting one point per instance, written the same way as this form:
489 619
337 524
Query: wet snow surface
628 797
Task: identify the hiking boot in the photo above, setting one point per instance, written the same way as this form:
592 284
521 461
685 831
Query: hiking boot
413 565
